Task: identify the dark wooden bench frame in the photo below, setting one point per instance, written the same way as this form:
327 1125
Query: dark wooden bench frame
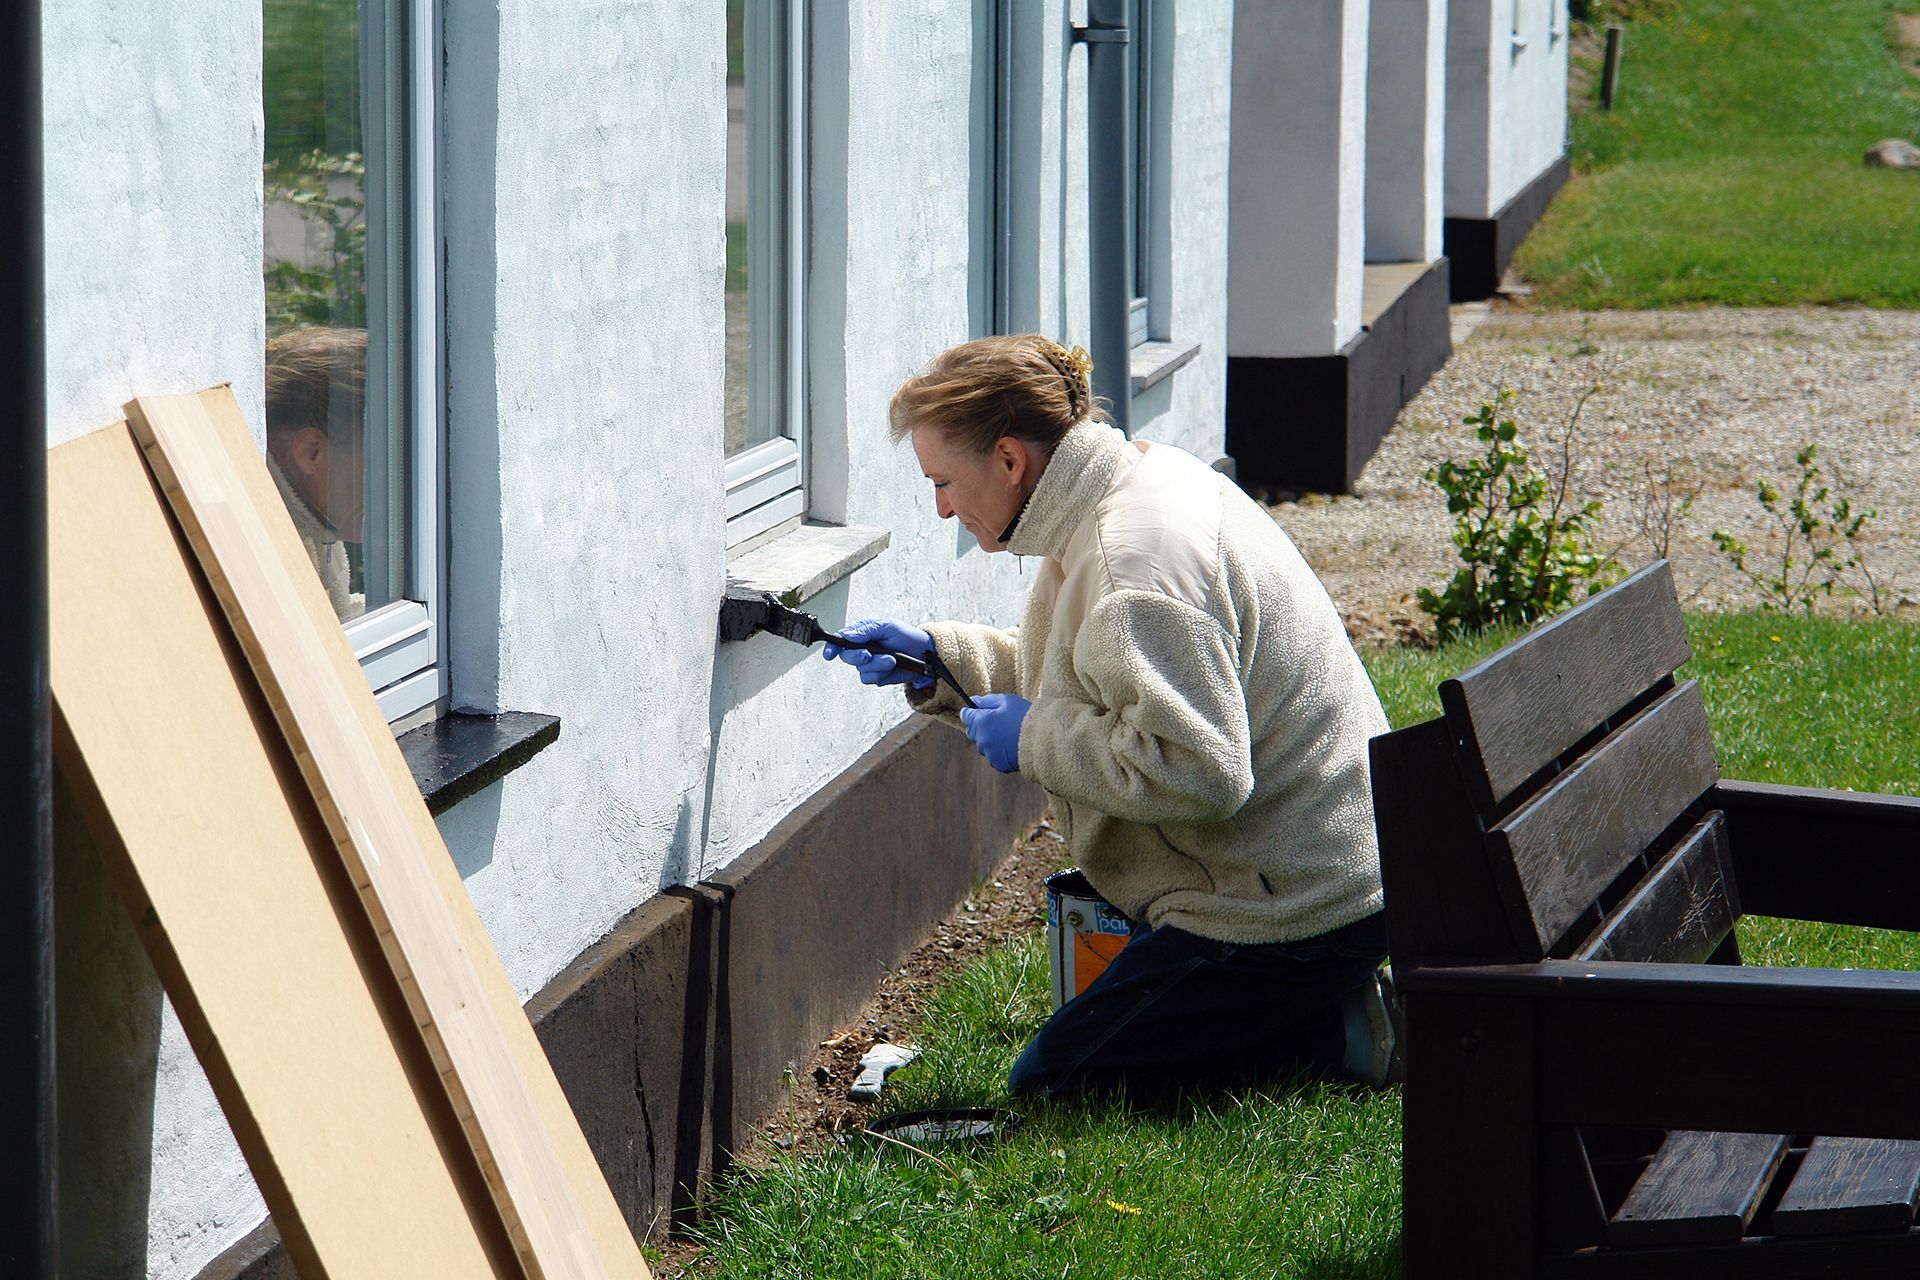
1522 1035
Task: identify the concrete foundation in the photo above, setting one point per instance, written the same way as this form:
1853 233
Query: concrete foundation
1309 423
1481 248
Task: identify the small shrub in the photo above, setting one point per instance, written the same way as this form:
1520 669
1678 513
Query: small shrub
1820 543
1525 550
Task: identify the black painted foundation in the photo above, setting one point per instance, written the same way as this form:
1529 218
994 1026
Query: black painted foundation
1309 423
670 1034
1481 248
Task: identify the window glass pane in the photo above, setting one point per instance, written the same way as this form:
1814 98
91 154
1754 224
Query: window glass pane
334 271
758 227
739 324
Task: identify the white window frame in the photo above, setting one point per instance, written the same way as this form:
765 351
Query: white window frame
766 483
402 646
1149 136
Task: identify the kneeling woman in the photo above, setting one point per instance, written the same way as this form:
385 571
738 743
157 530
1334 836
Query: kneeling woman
1184 690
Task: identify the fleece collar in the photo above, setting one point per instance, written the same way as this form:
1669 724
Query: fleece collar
310 524
1082 469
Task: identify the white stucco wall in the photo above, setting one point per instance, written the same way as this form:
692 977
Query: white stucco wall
1297 191
1192 47
153 146
1530 110
584 331
1406 129
153 142
1506 99
584 323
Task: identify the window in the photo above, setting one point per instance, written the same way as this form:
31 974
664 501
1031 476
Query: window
766 167
989 186
352 300
1148 126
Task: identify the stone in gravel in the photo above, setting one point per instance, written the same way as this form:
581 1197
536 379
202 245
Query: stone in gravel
1893 153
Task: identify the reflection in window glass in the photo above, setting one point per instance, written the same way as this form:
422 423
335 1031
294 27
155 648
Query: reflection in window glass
334 270
739 319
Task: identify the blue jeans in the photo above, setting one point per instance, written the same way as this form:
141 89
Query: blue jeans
1177 1011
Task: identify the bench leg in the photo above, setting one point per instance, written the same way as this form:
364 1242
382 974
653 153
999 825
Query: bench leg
1470 1145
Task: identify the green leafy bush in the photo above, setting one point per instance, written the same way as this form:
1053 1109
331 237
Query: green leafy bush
1820 535
1525 549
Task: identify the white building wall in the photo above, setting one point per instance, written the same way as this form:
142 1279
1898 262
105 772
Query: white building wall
153 144
1189 408
584 335
1297 195
1406 129
1531 111
1506 99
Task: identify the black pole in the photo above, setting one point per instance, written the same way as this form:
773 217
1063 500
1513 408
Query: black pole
1109 228
28 1225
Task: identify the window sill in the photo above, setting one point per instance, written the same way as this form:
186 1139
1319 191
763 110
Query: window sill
803 562
460 753
1153 361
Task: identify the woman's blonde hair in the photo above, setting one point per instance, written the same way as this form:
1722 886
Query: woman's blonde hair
1025 386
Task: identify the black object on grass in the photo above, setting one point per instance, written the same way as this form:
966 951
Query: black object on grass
948 1124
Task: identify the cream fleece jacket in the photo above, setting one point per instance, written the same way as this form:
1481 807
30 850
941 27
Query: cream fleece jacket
1198 716
324 548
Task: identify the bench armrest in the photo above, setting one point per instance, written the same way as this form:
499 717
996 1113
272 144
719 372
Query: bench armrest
1680 1046
1842 857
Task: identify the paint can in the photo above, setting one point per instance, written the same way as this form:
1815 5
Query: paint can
1084 933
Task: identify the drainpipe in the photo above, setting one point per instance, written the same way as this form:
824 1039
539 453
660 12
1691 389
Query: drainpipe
28 1227
1109 174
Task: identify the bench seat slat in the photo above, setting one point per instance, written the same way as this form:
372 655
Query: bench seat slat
1681 911
1700 1188
1529 704
1568 843
1852 1184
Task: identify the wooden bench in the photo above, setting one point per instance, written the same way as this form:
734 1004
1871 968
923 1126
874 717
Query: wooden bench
1595 1085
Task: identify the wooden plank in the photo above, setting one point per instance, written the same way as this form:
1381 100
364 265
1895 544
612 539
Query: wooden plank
1773 1258
1569 842
1701 1187
194 445
1469 1143
1530 703
1441 903
1852 1184
1683 909
196 805
1571 1213
611 1233
1867 867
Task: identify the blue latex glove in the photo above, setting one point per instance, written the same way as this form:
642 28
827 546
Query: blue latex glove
995 728
880 668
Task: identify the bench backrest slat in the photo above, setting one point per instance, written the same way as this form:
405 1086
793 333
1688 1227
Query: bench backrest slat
1557 853
1526 706
1681 912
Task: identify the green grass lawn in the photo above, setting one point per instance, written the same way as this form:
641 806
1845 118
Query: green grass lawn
1291 1181
1730 170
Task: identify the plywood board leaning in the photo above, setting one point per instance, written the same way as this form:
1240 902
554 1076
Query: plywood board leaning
555 1207
235 889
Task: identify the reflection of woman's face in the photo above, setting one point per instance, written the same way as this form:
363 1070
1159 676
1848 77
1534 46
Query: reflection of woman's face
332 479
983 491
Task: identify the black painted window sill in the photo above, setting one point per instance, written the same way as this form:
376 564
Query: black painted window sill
460 753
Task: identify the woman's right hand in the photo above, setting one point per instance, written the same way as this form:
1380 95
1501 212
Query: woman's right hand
880 668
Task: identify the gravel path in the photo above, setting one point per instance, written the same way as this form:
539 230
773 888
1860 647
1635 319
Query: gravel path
1714 399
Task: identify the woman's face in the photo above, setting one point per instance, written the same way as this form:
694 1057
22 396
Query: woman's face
983 491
